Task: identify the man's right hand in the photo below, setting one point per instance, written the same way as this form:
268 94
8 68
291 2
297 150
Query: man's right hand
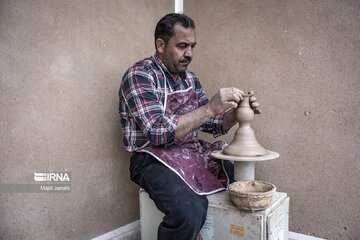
222 101
225 99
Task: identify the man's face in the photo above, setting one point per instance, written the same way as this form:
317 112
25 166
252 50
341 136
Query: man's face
178 51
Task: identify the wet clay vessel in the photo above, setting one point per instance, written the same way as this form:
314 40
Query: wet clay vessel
244 143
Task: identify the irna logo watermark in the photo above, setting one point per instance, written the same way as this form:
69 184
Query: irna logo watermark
52 176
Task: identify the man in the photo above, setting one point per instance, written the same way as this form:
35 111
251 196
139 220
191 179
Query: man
162 106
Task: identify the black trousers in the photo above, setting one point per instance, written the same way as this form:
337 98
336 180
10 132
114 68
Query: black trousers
185 211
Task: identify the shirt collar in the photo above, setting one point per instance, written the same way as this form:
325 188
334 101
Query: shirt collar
165 69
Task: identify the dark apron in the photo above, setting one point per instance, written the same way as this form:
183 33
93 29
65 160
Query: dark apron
190 157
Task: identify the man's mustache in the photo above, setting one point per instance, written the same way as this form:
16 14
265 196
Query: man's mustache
186 60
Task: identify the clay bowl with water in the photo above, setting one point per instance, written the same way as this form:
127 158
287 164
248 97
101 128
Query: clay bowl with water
251 195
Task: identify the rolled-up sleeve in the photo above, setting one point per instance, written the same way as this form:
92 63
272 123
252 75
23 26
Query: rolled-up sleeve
145 106
212 125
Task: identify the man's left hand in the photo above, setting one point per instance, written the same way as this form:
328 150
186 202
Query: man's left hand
254 104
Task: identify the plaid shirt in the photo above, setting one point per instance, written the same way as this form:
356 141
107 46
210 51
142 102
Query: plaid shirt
141 106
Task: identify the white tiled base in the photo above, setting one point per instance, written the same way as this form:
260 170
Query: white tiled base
131 231
298 236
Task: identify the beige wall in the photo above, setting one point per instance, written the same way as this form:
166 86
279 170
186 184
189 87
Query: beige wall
303 60
61 64
60 68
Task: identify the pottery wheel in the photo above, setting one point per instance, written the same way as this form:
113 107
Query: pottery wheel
269 156
244 167
244 150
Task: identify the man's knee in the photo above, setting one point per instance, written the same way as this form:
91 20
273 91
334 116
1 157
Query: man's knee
185 215
192 213
201 210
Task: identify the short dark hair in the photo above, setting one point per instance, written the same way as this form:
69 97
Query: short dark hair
165 27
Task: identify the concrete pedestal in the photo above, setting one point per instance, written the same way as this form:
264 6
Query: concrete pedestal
225 220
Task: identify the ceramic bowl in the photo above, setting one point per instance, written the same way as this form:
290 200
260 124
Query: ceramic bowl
251 195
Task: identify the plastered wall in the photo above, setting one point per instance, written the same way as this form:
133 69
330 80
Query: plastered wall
302 58
60 68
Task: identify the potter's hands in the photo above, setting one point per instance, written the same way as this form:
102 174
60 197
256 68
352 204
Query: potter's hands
253 103
230 116
225 99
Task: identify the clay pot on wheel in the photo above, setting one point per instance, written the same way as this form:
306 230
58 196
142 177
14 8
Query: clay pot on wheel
244 143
